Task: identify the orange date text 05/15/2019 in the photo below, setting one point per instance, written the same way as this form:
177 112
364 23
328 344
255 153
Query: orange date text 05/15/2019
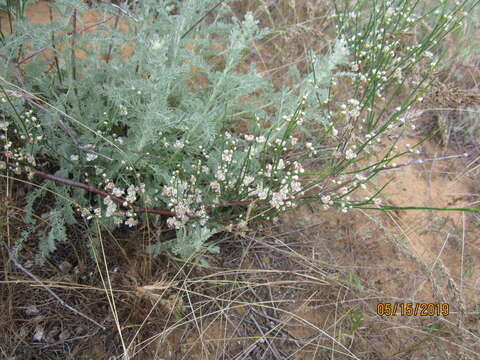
412 309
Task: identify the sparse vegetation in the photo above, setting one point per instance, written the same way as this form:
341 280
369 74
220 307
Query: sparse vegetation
162 155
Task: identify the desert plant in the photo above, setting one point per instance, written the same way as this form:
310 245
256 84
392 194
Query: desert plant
158 111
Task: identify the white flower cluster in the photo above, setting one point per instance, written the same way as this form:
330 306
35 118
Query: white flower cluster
186 200
350 154
284 197
91 157
327 201
179 144
289 184
32 123
351 110
18 154
4 125
111 206
112 209
311 149
261 191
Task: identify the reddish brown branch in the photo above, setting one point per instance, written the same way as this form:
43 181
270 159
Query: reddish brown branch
93 189
121 201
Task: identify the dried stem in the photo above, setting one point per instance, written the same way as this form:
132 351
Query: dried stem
20 62
74 40
110 46
55 57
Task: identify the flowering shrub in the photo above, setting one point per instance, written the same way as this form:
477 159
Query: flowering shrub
160 131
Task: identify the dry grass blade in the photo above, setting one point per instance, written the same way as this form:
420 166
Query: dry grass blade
46 288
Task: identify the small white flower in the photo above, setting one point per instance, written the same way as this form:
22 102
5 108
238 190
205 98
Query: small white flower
172 222
296 186
123 110
298 167
360 177
261 139
261 192
111 208
131 222
227 156
132 194
91 157
215 185
85 212
4 125
30 159
268 168
350 154
131 190
156 44
220 175
248 180
179 144
74 157
277 200
117 192
169 191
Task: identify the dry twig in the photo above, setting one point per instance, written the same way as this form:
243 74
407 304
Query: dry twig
55 296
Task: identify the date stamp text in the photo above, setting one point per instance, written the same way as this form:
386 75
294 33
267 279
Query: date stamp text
412 309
